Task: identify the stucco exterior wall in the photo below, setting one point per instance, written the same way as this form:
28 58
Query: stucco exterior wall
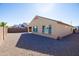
58 29
62 30
43 22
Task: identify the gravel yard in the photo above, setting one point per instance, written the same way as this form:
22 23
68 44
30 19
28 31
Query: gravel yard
8 48
23 44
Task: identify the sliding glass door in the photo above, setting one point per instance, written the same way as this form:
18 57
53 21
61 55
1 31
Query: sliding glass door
46 30
43 29
50 29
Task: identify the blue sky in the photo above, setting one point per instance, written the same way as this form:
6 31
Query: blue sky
19 12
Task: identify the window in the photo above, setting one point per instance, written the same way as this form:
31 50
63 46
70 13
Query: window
35 29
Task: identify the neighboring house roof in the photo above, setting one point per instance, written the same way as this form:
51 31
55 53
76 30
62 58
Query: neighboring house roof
53 20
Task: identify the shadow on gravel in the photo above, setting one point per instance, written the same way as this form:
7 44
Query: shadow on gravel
68 46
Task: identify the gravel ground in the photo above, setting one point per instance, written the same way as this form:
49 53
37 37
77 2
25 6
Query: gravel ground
23 44
8 48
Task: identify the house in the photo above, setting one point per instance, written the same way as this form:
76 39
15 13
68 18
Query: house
24 25
49 27
18 28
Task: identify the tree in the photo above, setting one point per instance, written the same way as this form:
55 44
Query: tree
3 24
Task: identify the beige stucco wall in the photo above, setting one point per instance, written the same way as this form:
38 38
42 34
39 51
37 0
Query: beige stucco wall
63 30
57 28
1 34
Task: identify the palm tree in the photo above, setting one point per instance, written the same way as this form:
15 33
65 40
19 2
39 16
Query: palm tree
3 24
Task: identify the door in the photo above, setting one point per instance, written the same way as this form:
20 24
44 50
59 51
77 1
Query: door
30 29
